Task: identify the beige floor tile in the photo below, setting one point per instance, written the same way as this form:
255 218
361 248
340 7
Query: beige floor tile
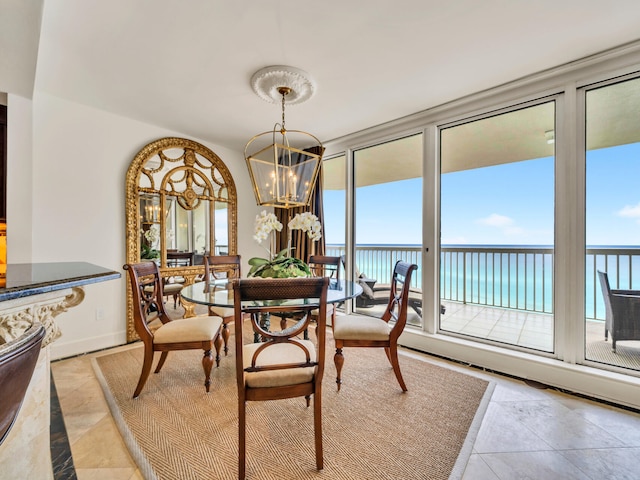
547 465
477 469
618 422
137 476
618 463
560 427
101 447
501 431
107 474
78 425
511 390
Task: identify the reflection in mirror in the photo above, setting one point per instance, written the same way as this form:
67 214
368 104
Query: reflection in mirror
149 227
188 230
181 205
221 229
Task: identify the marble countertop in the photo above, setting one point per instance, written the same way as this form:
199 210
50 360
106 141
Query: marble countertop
26 279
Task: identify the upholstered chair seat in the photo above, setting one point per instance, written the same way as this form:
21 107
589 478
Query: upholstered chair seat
195 329
361 328
224 312
278 355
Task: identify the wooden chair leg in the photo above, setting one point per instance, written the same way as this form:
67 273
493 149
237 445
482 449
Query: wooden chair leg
338 359
218 344
242 410
225 337
393 352
317 427
207 364
146 369
163 358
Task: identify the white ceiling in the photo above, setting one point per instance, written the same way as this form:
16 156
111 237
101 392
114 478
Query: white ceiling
186 65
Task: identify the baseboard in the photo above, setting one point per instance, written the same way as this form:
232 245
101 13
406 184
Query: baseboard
61 349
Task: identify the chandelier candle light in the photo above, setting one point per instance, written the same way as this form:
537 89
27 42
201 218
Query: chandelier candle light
283 172
282 264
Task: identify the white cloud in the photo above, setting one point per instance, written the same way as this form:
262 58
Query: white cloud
495 220
629 211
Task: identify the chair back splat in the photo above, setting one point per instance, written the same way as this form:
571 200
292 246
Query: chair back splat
148 291
219 267
282 365
167 334
361 331
324 266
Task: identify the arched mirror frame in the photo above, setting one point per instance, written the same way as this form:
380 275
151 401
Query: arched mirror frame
192 152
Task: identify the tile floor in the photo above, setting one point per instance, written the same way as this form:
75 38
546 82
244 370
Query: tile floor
527 433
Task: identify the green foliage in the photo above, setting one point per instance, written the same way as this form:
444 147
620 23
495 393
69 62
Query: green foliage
149 253
282 266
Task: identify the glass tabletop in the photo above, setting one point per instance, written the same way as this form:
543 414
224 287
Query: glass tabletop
220 294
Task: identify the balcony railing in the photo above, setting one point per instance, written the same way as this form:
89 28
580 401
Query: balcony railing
377 261
516 277
511 277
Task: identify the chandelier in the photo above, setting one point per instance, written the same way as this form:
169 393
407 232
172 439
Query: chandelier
283 164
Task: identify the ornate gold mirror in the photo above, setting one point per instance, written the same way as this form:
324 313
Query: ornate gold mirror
181 205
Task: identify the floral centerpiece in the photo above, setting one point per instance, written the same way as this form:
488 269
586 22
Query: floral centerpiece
282 264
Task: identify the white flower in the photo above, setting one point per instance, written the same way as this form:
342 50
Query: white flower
307 222
152 235
264 225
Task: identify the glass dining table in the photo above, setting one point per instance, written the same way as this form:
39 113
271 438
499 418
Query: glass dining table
219 293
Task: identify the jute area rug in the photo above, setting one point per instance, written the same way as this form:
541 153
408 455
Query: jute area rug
175 430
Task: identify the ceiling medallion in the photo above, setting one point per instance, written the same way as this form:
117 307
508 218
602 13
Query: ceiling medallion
267 81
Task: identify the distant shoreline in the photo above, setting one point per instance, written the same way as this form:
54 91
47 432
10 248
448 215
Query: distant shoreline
478 245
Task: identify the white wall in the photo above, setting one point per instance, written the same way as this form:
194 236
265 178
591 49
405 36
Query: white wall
80 159
19 174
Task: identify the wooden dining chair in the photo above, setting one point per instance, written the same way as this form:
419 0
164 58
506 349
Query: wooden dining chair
222 267
324 266
283 365
361 331
182 334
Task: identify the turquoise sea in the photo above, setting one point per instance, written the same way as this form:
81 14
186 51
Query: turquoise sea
510 276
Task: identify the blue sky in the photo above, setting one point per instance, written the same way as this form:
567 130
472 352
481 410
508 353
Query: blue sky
505 205
613 195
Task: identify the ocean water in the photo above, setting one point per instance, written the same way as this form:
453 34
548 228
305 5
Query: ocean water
510 276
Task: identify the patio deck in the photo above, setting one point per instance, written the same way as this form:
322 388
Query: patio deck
524 329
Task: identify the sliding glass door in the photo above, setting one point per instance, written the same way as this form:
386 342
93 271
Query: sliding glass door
334 196
388 220
612 330
497 228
